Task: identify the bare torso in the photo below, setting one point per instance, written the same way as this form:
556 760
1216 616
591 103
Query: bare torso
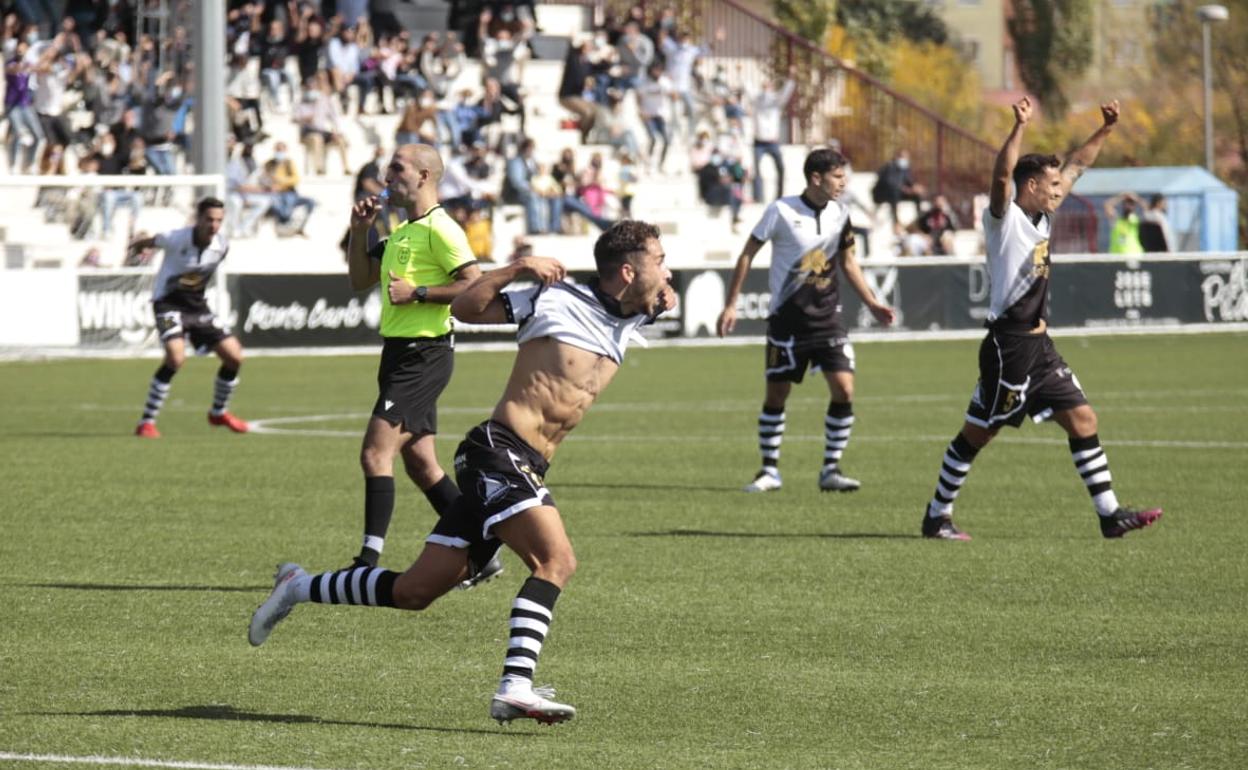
551 387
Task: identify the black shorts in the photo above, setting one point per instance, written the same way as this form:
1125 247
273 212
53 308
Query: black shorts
412 374
789 356
1020 375
198 323
499 475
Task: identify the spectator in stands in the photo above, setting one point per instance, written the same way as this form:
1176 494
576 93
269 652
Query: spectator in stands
273 50
894 184
408 81
291 209
130 160
309 43
463 186
938 223
768 107
614 126
54 69
85 203
161 101
24 129
681 54
655 96
346 60
664 24
418 123
1155 232
635 53
627 186
320 124
503 57
246 200
242 100
490 110
701 151
577 67
518 188
1124 233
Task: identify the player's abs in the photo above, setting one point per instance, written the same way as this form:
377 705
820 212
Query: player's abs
552 386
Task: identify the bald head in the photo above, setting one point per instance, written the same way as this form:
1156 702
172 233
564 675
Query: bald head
424 158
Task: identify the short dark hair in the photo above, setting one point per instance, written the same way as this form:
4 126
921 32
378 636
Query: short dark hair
1032 164
621 241
208 203
822 161
1155 199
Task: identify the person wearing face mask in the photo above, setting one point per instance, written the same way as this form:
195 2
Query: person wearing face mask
287 202
894 184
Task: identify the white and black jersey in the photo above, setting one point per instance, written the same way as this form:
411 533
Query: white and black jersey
580 316
1018 269
186 269
805 298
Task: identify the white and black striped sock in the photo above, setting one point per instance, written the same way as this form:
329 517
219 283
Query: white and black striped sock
1093 467
370 586
836 429
770 436
222 388
157 392
953 470
531 613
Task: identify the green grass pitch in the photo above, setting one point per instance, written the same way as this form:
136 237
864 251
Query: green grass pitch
704 629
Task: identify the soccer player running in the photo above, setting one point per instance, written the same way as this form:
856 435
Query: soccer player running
426 263
810 234
1020 371
191 257
572 341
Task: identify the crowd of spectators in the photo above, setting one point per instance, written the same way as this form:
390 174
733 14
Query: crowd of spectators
92 97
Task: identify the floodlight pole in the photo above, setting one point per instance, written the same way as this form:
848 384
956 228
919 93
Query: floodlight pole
208 147
1207 15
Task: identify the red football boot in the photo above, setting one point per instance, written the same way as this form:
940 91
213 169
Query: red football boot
229 421
146 430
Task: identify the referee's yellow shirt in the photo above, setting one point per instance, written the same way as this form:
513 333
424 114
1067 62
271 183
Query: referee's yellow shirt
423 252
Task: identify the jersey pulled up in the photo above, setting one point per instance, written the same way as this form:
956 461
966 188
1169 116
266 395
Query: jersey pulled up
1018 269
580 316
805 298
186 268
426 251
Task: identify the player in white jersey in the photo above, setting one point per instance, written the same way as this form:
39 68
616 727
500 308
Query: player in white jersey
1020 371
572 340
192 255
810 234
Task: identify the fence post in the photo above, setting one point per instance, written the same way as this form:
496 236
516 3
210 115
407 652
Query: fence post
940 158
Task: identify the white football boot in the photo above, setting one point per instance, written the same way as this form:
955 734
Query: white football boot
277 606
831 480
523 701
765 481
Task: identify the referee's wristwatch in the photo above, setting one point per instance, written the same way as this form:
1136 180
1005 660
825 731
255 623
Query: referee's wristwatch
422 293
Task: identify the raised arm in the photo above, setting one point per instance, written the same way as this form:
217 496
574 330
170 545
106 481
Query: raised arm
480 303
728 318
1081 159
1003 169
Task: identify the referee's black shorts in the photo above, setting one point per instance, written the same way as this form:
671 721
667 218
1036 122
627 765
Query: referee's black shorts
413 373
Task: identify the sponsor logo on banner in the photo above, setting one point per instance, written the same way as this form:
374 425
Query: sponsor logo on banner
321 313
883 283
1225 290
116 310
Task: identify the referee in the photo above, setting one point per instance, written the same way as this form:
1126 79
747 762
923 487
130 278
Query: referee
424 264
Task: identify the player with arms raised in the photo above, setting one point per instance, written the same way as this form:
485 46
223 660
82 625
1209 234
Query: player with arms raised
1020 371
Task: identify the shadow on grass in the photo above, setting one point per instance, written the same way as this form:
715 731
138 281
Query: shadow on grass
223 713
642 487
128 587
781 535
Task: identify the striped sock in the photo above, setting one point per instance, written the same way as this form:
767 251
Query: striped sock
222 389
372 586
770 434
953 469
836 428
157 392
531 612
1093 467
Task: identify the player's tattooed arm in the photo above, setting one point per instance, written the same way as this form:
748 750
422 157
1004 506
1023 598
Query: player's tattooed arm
1082 159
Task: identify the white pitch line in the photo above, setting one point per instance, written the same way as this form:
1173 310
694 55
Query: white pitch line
9 756
265 427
